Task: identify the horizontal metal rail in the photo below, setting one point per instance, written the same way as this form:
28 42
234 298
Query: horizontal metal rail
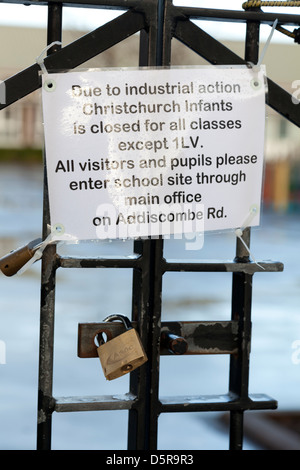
206 14
224 266
94 403
120 262
171 265
194 403
210 14
103 4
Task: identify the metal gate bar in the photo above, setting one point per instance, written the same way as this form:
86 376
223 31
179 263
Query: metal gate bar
158 21
242 296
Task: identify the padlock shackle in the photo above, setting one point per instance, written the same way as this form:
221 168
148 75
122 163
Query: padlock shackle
118 316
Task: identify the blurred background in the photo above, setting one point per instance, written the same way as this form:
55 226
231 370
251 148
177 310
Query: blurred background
89 295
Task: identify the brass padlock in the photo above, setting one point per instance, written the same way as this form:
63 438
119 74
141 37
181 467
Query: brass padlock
122 354
11 263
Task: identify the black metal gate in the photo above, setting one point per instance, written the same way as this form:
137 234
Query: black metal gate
157 21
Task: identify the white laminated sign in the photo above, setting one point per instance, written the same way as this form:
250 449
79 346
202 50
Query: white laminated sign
148 152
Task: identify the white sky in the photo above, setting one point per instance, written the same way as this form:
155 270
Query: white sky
88 19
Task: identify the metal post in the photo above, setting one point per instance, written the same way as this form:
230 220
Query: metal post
242 294
145 383
45 400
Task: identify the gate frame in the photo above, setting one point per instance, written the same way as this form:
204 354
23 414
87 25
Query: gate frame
157 21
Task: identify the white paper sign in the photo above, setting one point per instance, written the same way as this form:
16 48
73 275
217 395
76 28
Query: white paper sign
147 152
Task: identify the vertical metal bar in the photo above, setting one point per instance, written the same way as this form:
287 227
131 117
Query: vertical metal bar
241 313
45 381
239 363
242 294
46 350
140 380
144 47
140 423
138 417
252 40
147 283
144 383
163 48
236 426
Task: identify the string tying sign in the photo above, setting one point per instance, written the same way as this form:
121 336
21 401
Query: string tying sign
148 152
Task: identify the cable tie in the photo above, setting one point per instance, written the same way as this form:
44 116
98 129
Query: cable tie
40 58
37 255
239 232
252 213
267 43
256 67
